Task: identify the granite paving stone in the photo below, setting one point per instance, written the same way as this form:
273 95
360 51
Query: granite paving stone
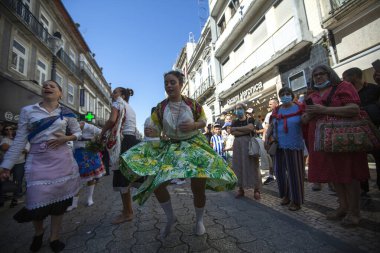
232 225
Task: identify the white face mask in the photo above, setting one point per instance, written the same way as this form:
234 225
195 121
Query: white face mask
322 85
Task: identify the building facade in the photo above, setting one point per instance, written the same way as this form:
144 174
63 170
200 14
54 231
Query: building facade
40 41
353 33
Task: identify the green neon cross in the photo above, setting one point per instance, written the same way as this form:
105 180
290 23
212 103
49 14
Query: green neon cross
89 116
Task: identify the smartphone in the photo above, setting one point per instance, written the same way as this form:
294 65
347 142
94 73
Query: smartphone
376 65
309 101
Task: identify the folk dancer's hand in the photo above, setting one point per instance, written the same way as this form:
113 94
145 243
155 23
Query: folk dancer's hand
187 126
4 174
61 139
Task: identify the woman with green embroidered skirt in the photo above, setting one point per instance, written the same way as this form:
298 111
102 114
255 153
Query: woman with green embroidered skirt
184 153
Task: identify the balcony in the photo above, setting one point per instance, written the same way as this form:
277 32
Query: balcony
277 47
89 73
337 12
206 88
65 58
25 16
236 25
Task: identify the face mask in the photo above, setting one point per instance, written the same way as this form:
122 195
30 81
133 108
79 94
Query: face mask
240 113
322 85
286 99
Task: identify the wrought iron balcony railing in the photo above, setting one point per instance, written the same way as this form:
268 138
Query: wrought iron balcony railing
70 64
26 16
87 70
206 86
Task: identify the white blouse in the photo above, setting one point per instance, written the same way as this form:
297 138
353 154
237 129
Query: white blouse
30 114
129 127
88 133
175 113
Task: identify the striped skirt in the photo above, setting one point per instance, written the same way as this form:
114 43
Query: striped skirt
289 168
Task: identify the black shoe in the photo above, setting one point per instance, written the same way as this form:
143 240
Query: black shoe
268 180
13 203
57 246
37 243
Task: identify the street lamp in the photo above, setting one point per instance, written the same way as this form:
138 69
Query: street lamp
55 45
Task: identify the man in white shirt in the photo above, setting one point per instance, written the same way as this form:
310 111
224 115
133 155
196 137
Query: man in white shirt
273 103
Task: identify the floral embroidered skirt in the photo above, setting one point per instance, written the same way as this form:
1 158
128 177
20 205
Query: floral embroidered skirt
162 161
90 164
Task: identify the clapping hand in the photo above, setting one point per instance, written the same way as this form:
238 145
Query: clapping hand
186 126
61 139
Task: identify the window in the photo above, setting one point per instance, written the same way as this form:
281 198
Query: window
255 26
100 111
297 81
41 72
225 60
72 55
91 103
234 5
19 57
222 25
70 93
238 46
59 79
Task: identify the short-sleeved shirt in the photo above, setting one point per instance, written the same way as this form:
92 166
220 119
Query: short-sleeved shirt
335 167
217 144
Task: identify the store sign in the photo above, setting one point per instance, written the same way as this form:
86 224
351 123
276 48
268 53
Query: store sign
246 94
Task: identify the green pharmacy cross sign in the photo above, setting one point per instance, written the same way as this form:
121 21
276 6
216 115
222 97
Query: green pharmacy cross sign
89 116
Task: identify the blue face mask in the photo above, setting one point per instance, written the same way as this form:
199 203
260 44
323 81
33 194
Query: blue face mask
240 113
322 85
286 99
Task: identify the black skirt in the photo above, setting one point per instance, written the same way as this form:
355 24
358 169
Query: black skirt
38 214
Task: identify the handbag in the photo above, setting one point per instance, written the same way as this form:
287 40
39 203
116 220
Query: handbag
253 146
357 134
271 142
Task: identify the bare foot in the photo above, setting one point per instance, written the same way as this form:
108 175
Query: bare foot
121 218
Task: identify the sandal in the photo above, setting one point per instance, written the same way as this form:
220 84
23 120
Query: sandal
239 194
294 207
256 194
336 214
285 201
350 221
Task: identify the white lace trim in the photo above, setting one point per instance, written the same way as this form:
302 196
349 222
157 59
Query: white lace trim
55 181
42 204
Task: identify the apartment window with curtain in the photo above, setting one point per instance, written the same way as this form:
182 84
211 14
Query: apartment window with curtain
222 25
19 61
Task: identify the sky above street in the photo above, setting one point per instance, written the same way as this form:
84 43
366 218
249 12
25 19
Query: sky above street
137 41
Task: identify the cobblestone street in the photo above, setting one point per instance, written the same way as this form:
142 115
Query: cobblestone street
232 225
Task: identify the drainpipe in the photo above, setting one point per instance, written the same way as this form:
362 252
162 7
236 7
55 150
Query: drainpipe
332 47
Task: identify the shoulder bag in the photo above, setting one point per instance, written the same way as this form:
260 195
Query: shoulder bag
337 134
253 146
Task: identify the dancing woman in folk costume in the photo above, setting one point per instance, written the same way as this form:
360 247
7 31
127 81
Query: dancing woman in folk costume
114 127
90 163
51 173
185 154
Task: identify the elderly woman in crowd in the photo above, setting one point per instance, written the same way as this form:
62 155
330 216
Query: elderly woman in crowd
289 162
333 97
245 167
